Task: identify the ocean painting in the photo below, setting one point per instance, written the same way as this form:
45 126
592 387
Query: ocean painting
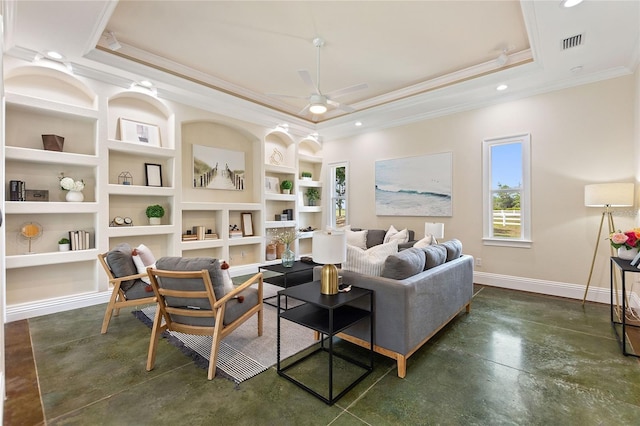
414 186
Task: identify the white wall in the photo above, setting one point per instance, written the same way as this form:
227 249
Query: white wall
579 136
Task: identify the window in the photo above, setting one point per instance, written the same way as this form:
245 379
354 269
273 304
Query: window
506 191
339 180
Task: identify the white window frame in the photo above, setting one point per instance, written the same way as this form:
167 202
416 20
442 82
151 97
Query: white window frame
332 191
525 193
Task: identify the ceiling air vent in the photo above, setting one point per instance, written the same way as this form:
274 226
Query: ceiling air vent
573 41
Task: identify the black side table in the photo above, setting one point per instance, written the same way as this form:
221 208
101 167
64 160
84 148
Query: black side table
299 273
620 321
328 315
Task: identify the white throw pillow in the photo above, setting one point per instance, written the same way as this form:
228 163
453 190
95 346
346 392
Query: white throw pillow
392 231
426 241
400 236
142 258
357 238
371 261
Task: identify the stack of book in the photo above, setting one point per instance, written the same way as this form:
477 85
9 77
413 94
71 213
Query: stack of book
17 190
80 240
189 237
235 234
210 236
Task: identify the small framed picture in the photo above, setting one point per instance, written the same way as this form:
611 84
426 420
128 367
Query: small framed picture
247 224
153 174
271 185
133 131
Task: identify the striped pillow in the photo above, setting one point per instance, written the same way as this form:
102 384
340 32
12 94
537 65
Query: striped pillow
371 261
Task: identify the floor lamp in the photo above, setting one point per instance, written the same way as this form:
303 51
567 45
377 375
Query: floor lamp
606 195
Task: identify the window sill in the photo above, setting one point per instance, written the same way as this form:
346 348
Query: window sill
501 242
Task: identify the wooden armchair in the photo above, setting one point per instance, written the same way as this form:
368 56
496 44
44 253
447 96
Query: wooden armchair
193 302
128 288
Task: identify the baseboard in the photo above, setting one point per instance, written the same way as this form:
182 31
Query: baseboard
551 288
51 306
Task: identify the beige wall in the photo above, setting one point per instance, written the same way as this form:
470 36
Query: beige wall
578 136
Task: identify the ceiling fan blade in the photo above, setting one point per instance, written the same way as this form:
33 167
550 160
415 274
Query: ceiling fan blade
305 110
306 77
347 90
343 107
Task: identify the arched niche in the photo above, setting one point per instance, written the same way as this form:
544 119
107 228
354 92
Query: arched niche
279 149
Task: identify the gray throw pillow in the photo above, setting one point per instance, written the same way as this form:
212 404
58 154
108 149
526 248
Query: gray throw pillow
454 249
405 264
191 264
435 255
121 264
375 237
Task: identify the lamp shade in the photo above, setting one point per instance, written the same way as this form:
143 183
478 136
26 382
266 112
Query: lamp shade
329 248
608 194
435 229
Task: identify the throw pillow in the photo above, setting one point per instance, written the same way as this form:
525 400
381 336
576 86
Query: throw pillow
392 231
426 241
226 278
121 264
454 249
142 258
405 264
357 238
371 261
401 236
435 255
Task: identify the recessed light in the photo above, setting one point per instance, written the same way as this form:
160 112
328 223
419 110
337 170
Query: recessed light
358 123
146 83
502 87
54 55
570 3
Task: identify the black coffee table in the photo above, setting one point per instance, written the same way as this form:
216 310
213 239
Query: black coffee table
299 273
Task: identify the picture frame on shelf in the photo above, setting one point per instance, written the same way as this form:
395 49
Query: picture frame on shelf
134 131
247 224
153 174
271 185
217 168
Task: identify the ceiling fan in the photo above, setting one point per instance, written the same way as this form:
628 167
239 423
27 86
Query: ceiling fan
319 102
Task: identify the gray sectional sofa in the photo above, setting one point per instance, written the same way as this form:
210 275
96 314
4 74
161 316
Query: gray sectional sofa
411 303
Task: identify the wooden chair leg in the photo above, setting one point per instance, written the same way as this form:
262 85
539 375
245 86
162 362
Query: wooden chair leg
213 359
260 320
402 366
153 342
468 307
107 315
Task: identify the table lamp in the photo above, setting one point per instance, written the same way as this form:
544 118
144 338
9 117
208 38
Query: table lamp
329 248
436 230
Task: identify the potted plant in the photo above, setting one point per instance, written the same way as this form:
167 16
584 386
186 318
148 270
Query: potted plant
64 244
155 214
306 175
286 186
313 195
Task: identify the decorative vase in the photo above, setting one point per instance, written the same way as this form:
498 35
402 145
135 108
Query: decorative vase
157 221
271 251
279 250
627 253
75 196
288 257
64 247
286 191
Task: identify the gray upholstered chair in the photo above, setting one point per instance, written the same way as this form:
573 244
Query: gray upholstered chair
128 287
191 300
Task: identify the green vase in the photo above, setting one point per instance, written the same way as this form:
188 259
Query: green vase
288 257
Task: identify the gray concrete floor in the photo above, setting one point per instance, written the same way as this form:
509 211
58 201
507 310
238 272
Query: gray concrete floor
517 358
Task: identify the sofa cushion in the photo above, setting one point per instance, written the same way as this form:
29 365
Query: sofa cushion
192 264
435 255
454 249
393 234
370 261
357 238
375 237
121 264
405 264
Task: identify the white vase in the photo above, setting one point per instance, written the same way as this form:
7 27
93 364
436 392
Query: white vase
75 196
627 254
155 220
64 247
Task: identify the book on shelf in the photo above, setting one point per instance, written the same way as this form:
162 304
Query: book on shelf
17 190
189 237
80 240
235 234
211 236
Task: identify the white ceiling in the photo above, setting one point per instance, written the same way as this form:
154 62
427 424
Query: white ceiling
418 58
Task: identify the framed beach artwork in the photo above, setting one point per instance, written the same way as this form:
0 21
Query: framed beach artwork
133 131
217 168
414 186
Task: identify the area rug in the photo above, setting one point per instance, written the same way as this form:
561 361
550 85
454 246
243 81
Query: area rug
242 354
